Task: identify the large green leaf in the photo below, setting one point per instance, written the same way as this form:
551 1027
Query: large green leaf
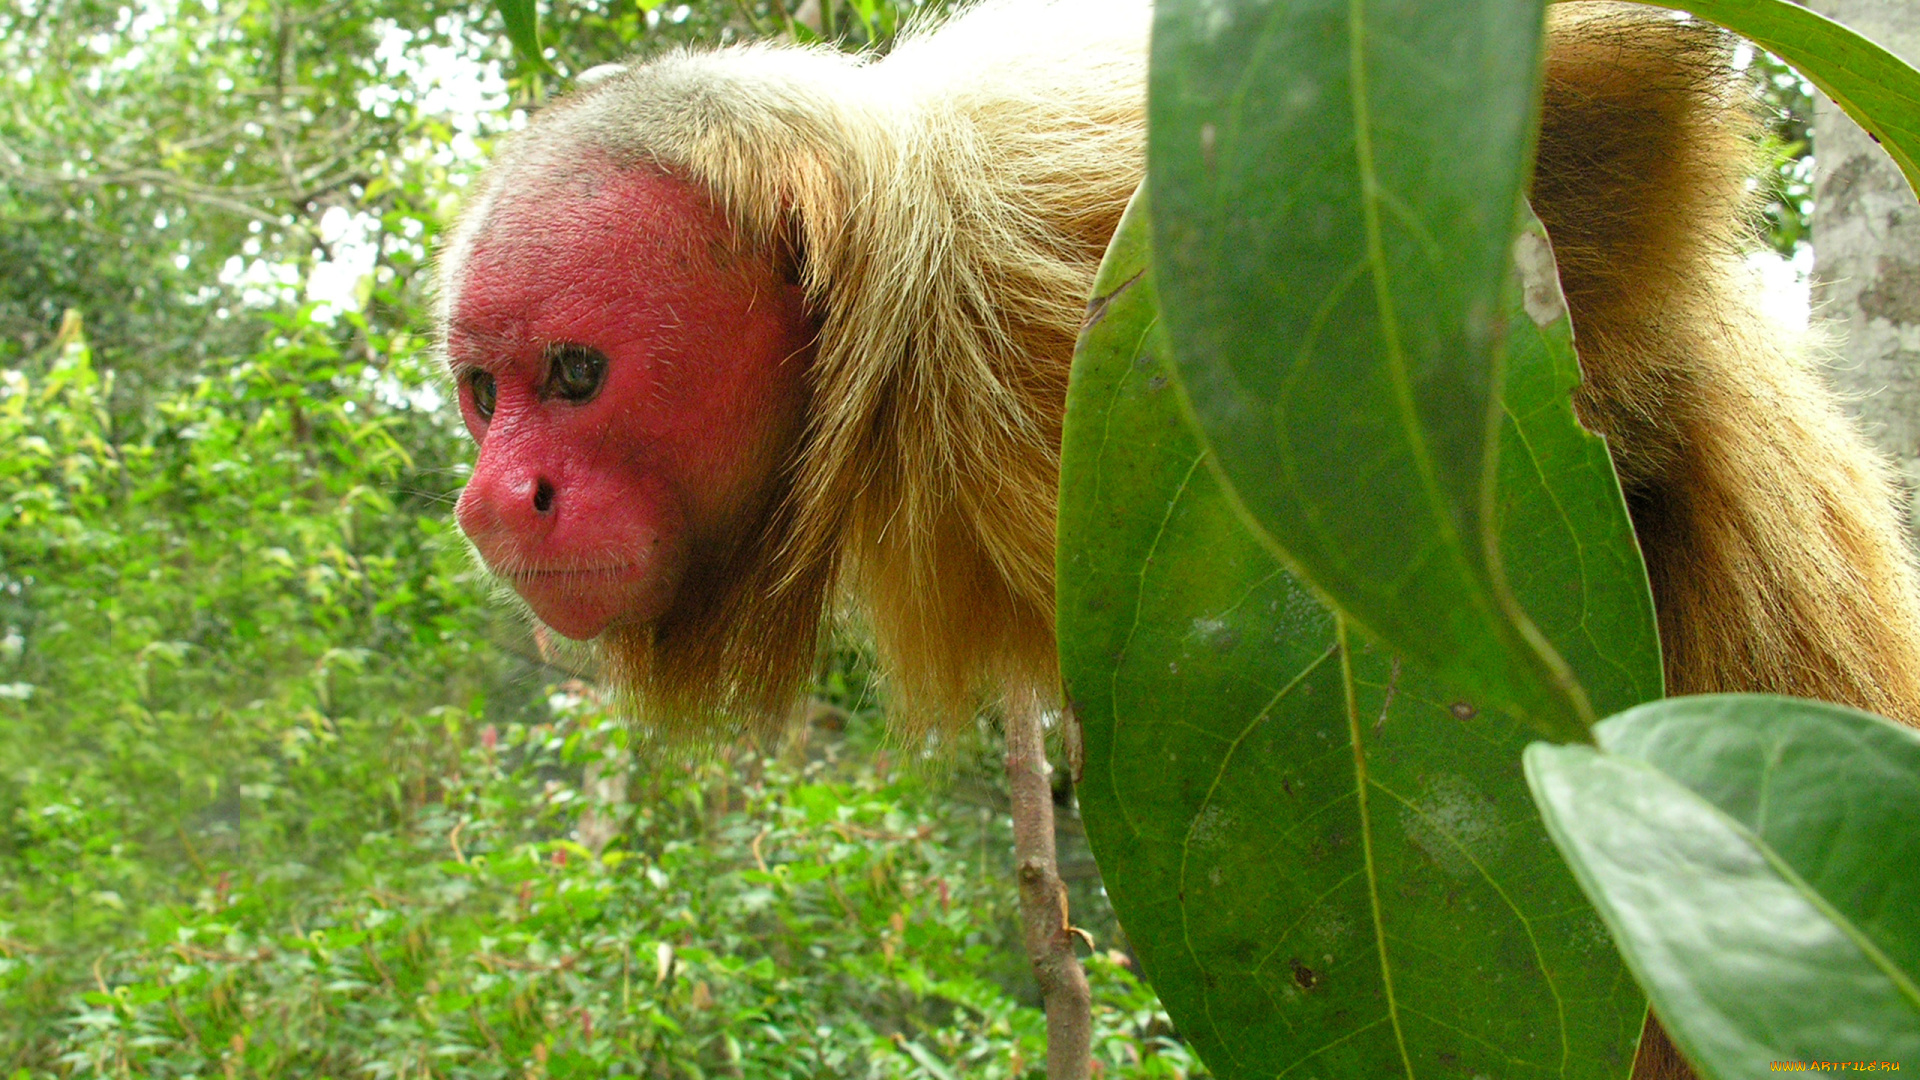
1327 860
1564 535
1334 185
1756 859
1878 89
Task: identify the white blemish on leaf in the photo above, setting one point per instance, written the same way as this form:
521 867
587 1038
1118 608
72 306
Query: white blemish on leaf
1455 825
1212 17
1212 830
1302 95
1325 928
1539 278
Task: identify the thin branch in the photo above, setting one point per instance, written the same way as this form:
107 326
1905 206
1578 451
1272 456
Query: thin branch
13 166
753 21
786 17
1043 896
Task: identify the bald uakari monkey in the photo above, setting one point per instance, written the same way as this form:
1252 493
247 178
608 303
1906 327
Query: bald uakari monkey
749 333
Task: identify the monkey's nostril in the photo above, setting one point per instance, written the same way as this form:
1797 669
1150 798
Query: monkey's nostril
543 497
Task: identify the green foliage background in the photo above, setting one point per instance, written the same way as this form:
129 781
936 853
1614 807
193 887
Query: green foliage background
284 790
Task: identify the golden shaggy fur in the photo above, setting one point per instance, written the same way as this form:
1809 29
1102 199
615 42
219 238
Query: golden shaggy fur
1778 560
947 207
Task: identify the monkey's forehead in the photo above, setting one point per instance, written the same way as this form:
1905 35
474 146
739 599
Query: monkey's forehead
564 236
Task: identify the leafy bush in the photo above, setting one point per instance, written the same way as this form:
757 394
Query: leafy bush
746 915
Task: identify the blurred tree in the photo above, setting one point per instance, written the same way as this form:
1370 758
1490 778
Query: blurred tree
1867 254
170 168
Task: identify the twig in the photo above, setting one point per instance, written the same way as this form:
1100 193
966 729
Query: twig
488 960
833 887
848 832
786 17
493 1043
753 21
192 1033
1043 896
191 953
193 853
373 955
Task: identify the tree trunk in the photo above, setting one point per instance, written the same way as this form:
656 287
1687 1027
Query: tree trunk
1866 248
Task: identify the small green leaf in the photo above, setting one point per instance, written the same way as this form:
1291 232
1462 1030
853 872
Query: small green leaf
1878 89
1754 857
925 1059
1334 186
523 29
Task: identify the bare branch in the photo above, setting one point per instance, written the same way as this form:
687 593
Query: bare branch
1043 896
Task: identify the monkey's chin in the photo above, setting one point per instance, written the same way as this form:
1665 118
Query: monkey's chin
581 604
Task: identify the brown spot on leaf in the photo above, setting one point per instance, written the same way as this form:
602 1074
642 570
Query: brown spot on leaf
1304 977
1097 309
1463 711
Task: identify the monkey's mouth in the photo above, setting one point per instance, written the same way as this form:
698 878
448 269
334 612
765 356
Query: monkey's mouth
581 602
569 573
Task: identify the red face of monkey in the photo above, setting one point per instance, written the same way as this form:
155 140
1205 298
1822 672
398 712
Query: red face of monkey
633 377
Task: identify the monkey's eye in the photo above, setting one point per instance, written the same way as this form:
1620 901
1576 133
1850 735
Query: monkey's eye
486 393
575 372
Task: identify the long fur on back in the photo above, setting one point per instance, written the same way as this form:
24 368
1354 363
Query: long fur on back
947 207
1778 560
